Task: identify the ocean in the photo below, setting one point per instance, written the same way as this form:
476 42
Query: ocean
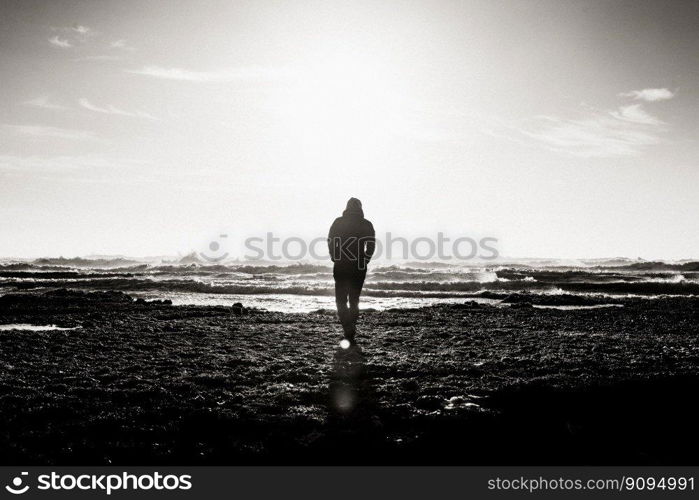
309 287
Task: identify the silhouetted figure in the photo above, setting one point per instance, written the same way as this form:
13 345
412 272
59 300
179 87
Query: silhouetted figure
351 244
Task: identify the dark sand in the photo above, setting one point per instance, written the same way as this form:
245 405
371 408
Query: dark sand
151 383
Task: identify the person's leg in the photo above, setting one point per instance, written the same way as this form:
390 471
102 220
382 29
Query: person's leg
355 290
341 296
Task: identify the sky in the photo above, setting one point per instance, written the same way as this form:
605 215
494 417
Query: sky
563 129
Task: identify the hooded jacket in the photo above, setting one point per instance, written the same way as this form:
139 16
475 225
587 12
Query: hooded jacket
351 239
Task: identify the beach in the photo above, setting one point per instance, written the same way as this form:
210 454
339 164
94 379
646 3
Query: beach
528 378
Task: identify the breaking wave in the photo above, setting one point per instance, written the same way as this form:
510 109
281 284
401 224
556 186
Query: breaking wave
214 282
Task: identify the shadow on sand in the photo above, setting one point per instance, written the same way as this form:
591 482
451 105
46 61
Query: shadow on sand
351 395
354 424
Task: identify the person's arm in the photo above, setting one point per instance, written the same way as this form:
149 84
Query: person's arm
370 245
332 240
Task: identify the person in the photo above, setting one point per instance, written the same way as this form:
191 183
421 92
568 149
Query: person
351 242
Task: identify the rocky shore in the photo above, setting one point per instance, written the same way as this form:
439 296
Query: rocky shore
127 381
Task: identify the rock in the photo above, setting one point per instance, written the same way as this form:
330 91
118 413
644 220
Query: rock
429 403
191 259
166 302
410 385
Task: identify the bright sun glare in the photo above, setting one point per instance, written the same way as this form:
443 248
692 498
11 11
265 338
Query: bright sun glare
344 103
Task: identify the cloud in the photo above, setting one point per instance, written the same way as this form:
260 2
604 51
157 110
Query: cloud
597 134
89 169
120 44
43 102
624 131
41 163
99 58
63 43
112 110
78 32
650 95
66 162
44 131
67 37
226 75
636 114
81 30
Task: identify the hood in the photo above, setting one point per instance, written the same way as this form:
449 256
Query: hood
354 208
